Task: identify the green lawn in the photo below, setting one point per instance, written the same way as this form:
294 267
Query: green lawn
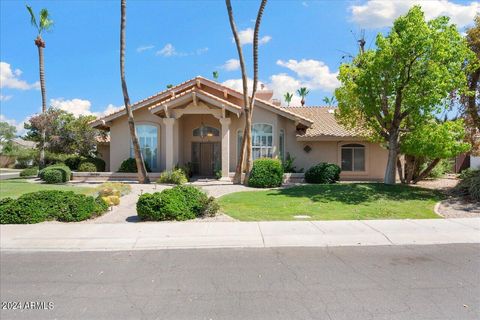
16 187
333 202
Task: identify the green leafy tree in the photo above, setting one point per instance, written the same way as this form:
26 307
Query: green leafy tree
399 85
7 133
288 97
303 93
429 144
44 24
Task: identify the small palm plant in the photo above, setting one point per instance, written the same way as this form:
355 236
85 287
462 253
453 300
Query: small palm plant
215 75
288 97
44 24
330 101
303 92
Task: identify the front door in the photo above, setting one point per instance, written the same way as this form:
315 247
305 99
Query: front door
205 158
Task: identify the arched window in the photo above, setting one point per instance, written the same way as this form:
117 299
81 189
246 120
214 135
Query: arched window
262 141
206 131
353 157
148 139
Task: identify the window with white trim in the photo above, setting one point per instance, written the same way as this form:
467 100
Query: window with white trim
148 139
353 157
262 141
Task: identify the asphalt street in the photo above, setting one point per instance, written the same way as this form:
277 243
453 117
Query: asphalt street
378 282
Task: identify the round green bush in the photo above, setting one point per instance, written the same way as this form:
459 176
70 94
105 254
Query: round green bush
87 167
29 172
129 165
44 205
73 162
170 204
52 176
195 198
323 173
176 176
266 173
98 163
66 172
149 207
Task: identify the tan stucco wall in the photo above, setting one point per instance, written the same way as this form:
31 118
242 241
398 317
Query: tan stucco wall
322 151
104 154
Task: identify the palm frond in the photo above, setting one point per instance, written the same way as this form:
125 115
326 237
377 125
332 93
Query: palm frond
45 22
33 21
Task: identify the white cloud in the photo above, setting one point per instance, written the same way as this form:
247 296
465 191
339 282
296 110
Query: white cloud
169 51
231 65
11 78
314 74
18 125
237 84
5 98
380 13
305 4
246 37
81 107
145 48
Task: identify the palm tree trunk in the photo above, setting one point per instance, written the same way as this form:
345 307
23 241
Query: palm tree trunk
142 172
248 124
239 169
40 45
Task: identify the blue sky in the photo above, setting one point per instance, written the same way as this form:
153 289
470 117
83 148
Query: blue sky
172 41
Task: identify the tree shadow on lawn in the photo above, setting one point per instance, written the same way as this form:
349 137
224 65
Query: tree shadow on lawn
357 193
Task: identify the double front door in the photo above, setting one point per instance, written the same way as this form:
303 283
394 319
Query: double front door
205 158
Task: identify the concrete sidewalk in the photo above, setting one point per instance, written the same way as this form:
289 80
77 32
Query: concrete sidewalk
174 235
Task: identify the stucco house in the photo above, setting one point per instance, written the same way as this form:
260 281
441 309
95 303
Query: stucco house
200 122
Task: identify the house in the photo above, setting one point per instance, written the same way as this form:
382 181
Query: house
200 122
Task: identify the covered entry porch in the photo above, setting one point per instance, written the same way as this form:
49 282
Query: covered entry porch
196 132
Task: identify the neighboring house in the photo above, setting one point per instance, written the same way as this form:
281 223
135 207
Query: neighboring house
200 122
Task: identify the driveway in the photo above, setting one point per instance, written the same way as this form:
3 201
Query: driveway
399 282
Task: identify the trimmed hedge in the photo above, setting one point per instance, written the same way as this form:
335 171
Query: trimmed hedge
129 165
52 176
176 176
323 173
29 172
45 205
266 173
87 167
178 203
65 171
73 162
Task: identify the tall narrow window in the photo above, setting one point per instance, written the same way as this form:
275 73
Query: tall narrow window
281 145
239 143
262 141
148 139
353 157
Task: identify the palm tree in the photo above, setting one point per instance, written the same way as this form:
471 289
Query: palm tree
329 101
247 102
44 24
142 172
169 86
303 92
215 75
288 98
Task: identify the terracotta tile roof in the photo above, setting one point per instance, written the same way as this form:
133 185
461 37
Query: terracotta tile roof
324 123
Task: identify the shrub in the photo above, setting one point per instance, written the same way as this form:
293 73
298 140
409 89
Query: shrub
98 163
288 164
29 172
55 158
101 206
467 173
129 165
106 192
73 162
65 171
211 207
176 176
44 205
195 199
470 185
111 200
52 176
323 173
87 167
123 188
266 173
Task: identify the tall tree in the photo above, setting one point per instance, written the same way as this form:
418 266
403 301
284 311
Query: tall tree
7 133
142 171
288 98
43 24
245 160
303 92
399 85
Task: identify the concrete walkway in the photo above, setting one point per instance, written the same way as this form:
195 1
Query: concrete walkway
145 236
